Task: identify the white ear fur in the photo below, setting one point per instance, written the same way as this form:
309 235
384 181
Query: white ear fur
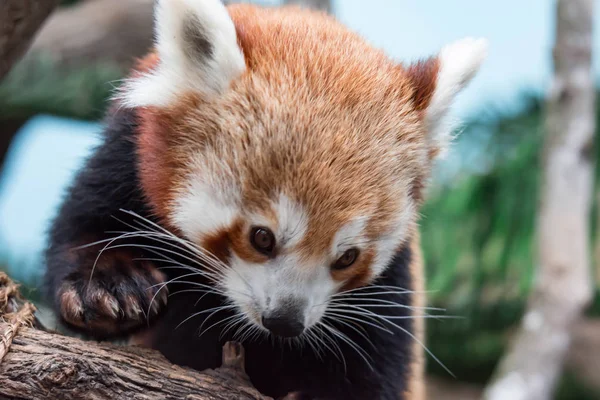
458 63
198 51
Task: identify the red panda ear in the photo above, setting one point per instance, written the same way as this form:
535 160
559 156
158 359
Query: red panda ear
197 48
437 81
423 76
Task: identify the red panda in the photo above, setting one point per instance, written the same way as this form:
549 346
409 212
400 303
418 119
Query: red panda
260 180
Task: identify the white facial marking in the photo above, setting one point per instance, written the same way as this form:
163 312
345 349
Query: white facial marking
260 289
197 46
388 243
292 221
459 61
202 209
350 235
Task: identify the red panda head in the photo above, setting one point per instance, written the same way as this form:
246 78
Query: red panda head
286 146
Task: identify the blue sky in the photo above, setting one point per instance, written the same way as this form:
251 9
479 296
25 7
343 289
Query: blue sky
520 34
48 151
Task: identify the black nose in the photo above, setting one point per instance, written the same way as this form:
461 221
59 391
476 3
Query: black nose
283 325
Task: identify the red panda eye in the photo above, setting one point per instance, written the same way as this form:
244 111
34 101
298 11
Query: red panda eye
346 260
262 240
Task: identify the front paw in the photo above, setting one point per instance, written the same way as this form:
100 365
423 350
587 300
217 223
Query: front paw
120 295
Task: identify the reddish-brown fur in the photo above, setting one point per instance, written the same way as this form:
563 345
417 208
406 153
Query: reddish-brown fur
423 75
319 115
352 110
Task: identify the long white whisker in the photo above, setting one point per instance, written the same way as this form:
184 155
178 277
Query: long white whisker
208 261
362 353
98 257
178 265
232 324
217 309
371 287
384 292
178 278
362 311
83 246
166 258
190 245
351 326
427 350
243 330
398 317
149 247
382 301
243 326
216 323
343 312
387 319
195 270
313 341
325 339
192 248
216 290
164 284
254 334
306 337
193 290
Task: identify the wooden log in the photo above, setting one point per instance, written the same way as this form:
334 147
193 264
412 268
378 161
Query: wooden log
19 22
112 32
42 365
36 364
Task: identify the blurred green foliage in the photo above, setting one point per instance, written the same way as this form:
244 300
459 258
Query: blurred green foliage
571 388
479 244
479 229
38 86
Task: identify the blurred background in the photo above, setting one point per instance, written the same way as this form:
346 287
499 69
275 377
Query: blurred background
479 222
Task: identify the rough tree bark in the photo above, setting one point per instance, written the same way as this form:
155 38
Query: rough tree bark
114 31
533 364
19 21
35 364
107 30
42 365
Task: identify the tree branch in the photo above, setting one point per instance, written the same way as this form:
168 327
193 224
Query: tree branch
108 30
562 289
97 31
45 365
35 364
19 21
